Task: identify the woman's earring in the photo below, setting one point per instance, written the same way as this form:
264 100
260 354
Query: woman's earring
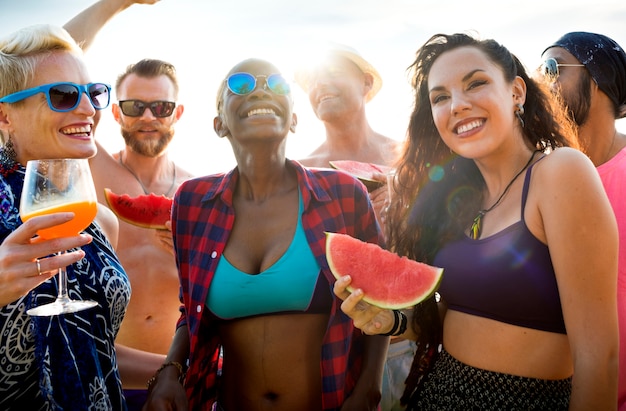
8 155
519 113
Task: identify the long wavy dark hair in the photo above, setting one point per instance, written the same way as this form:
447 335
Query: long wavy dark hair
438 193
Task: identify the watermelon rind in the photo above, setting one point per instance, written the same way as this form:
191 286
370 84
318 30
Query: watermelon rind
146 211
362 171
388 281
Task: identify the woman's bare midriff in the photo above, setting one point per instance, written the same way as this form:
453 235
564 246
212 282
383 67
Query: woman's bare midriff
272 362
496 346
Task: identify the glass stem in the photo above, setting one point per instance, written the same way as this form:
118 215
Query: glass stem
63 295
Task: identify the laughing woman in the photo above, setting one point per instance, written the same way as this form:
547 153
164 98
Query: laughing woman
50 109
528 294
254 277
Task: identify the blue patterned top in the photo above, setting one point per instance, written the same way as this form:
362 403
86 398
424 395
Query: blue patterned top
65 361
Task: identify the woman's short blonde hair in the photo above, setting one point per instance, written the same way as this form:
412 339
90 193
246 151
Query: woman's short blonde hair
21 51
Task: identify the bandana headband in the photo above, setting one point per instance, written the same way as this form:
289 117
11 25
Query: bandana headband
603 58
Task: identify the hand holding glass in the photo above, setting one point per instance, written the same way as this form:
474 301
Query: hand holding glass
53 186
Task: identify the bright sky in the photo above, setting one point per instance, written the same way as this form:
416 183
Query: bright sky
204 38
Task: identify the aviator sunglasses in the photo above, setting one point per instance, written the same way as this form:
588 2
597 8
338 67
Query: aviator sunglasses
245 83
135 108
550 68
65 96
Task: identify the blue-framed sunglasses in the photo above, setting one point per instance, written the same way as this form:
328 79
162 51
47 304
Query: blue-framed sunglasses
66 96
550 68
245 83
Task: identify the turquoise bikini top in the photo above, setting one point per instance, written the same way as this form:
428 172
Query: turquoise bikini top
291 284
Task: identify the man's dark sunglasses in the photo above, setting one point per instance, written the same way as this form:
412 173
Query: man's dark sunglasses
135 108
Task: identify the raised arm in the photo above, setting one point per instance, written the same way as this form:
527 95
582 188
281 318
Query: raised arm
86 24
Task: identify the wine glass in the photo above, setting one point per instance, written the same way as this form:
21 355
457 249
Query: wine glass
52 186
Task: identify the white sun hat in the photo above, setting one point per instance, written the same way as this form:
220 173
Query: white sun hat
302 75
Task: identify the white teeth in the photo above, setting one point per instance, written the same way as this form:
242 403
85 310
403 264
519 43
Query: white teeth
77 130
470 126
261 111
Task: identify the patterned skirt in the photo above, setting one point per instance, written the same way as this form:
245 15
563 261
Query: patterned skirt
452 385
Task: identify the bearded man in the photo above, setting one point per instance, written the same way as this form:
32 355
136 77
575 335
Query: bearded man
147 111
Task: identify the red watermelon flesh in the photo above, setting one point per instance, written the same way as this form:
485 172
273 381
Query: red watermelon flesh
387 280
148 211
363 171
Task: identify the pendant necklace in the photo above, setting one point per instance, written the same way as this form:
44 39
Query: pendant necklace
476 227
145 190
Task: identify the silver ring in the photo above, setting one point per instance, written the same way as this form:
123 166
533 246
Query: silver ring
38 266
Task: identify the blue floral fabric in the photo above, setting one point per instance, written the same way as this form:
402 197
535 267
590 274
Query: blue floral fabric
64 362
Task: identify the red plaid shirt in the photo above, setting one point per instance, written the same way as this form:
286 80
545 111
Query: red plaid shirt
202 219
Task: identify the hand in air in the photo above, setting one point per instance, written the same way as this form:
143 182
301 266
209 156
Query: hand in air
366 317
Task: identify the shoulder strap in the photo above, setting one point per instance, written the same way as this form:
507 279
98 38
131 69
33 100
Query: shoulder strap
527 184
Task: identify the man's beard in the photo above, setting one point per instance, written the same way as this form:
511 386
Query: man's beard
148 147
578 105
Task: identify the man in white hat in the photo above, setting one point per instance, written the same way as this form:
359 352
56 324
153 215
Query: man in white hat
339 86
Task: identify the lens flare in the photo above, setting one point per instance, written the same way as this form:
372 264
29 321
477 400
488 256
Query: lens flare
436 173
458 198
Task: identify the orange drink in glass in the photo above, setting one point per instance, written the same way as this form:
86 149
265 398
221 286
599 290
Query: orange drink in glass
53 186
84 213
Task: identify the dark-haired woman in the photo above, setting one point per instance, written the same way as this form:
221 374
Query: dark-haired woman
527 317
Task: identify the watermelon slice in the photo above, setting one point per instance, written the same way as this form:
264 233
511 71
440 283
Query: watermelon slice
148 211
363 171
387 280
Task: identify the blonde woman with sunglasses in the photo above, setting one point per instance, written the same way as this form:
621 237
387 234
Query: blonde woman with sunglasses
49 108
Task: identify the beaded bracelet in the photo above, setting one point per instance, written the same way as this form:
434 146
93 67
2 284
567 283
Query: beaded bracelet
399 324
176 364
403 324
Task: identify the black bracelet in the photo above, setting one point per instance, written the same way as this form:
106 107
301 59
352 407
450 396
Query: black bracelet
396 323
399 324
403 324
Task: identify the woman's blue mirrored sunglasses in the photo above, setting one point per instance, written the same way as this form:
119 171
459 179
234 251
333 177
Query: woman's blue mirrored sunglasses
245 83
66 96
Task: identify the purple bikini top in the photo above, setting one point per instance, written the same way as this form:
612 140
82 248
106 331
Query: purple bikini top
506 277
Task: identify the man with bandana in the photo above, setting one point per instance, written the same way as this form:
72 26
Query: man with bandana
588 70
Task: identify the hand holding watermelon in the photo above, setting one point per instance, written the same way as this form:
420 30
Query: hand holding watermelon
386 279
370 319
165 239
373 281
